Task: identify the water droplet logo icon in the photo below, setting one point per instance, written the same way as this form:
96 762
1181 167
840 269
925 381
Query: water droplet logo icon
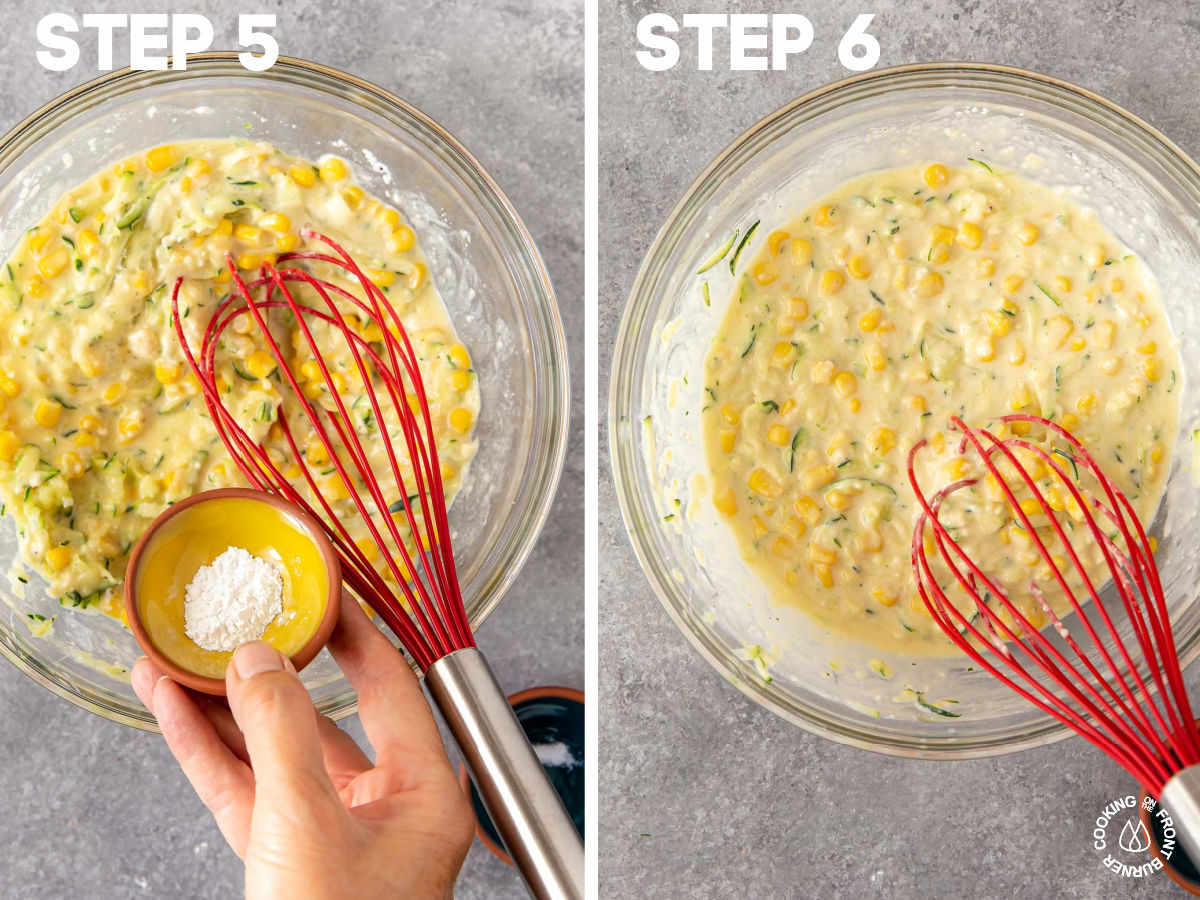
1134 837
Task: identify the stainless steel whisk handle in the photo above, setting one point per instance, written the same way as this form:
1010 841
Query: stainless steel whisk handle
530 818
1180 797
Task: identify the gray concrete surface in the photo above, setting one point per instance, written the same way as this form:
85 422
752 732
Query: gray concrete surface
98 811
702 793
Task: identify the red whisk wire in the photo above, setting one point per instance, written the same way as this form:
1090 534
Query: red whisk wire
1098 689
432 621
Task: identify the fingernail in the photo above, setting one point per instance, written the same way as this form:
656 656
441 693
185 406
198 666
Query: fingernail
256 657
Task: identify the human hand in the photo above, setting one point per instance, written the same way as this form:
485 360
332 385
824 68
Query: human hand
296 798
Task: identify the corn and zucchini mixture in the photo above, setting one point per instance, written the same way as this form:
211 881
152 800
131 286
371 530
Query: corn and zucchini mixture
858 329
104 424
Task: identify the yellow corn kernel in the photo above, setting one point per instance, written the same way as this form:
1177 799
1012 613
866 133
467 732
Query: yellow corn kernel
260 364
1031 506
883 597
916 401
167 373
859 267
1148 349
8 385
303 175
416 277
797 308
70 465
1077 344
824 575
1156 453
986 267
788 405
335 488
461 419
38 240
57 558
955 468
801 252
763 484
1020 398
730 414
1116 285
779 434
1012 283
929 285
380 277
794 528
1085 404
333 169
113 392
838 500
969 236
9 443
391 218
824 216
248 233
1103 336
1069 422
764 273
1016 353
997 323
869 320
130 425
1062 284
1058 329
1027 234
853 404
818 476
249 261
845 383
728 437
401 240
160 158
277 222
938 442
985 348
783 355
938 254
87 243
367 548
876 356
935 175
823 371
286 243
807 509
353 196
942 234
85 439
461 381
881 441
781 546
35 286
1111 366
1152 368
46 413
832 282
1144 320
725 502
52 264
900 277
774 240
1153 541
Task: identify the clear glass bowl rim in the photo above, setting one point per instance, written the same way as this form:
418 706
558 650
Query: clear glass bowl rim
544 316
632 335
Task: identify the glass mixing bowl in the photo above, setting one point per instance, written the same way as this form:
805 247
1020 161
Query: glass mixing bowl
482 259
1144 189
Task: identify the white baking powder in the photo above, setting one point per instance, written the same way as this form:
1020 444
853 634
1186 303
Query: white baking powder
232 600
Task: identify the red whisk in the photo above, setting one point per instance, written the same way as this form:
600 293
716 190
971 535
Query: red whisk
1108 668
423 603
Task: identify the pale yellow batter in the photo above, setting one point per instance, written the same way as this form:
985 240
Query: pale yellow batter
901 299
104 425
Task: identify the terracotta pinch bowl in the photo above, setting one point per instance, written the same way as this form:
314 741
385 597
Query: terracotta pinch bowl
291 515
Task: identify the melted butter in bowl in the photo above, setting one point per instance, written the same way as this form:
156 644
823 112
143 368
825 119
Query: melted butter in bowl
192 535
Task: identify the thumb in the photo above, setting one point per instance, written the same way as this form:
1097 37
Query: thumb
277 718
